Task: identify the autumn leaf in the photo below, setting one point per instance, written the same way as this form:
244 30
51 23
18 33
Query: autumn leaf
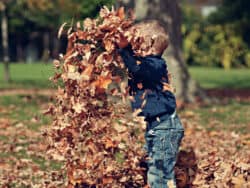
102 82
109 45
107 180
86 74
143 103
138 62
61 29
83 132
121 13
167 87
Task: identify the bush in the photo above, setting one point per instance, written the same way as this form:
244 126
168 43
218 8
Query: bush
212 44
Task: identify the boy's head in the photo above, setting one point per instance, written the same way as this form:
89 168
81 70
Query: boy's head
148 38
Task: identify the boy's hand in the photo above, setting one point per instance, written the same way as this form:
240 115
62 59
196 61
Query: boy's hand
122 42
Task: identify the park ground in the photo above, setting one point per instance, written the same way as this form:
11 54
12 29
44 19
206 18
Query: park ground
215 150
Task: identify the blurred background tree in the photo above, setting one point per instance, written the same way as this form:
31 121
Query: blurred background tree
29 27
5 40
216 37
219 39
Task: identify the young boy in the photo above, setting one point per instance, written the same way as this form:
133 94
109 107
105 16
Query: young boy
149 88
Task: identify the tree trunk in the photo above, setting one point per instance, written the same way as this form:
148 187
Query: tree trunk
56 47
19 49
169 14
46 51
5 44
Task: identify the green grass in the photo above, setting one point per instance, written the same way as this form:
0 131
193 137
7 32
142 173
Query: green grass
220 78
37 75
22 109
34 75
232 116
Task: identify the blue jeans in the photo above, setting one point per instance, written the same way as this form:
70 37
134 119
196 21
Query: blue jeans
162 145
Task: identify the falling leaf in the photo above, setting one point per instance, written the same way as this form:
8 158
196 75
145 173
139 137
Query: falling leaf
166 87
121 13
86 74
138 62
109 45
56 64
102 82
61 30
136 112
143 103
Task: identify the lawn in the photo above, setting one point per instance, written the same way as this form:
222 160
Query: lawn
22 146
34 75
37 75
230 115
219 78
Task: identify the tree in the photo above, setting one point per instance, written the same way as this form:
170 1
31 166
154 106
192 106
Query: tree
169 14
43 13
234 12
5 41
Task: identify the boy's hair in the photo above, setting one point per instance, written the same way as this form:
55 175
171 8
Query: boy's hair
150 38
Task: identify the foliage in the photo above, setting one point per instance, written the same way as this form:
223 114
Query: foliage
22 156
212 44
41 14
99 143
213 158
236 12
208 157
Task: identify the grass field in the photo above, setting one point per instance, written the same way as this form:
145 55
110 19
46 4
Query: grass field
22 121
37 76
220 78
28 76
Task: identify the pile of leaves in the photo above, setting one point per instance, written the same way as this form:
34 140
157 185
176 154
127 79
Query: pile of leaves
99 143
216 158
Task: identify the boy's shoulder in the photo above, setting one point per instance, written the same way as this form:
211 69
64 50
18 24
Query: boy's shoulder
153 60
128 51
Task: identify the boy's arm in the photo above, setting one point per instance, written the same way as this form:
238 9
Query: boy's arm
150 69
129 59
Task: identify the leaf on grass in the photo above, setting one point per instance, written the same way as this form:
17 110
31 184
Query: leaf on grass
56 64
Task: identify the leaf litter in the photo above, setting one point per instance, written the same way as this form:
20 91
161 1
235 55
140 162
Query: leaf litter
98 142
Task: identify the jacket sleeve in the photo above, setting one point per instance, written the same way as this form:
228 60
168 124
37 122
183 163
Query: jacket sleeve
151 69
129 60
